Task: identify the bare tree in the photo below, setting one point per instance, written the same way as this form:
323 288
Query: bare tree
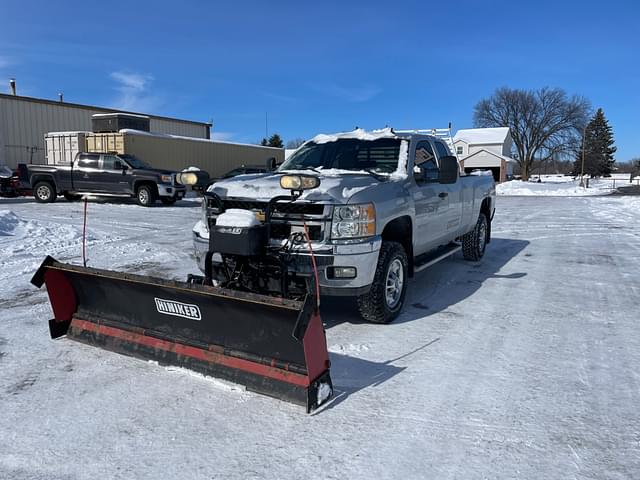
295 143
545 124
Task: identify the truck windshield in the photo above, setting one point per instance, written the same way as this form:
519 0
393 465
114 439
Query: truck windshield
347 154
134 162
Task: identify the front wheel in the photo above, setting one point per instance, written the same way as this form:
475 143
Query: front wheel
385 300
474 243
146 195
44 192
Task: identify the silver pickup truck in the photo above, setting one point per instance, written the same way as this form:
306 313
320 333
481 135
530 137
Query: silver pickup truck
388 205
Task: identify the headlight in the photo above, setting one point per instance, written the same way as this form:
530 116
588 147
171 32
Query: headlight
166 179
353 221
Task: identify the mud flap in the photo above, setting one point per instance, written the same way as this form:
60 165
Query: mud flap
273 346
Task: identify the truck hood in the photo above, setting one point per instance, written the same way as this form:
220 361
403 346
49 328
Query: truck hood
263 187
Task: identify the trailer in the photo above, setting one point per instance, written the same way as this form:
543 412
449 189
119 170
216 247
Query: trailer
62 147
177 153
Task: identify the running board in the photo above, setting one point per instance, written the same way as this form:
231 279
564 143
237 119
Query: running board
426 261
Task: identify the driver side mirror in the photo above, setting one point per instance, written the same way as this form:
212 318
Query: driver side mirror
448 170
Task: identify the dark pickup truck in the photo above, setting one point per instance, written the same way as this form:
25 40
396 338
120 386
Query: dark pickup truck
105 174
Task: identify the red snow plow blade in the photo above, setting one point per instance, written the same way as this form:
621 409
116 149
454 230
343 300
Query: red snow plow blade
272 346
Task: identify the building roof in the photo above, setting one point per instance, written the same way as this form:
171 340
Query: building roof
503 157
482 136
92 107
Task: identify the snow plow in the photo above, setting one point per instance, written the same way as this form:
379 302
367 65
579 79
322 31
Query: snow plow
272 342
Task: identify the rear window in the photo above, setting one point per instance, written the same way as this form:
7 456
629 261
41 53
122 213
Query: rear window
88 161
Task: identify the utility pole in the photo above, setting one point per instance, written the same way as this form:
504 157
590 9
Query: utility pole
266 125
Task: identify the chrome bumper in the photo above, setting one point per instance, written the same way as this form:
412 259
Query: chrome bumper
362 255
166 190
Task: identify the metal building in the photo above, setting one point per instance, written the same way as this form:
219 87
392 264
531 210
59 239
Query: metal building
24 121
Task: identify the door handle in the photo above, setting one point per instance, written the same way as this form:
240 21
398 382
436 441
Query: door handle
443 194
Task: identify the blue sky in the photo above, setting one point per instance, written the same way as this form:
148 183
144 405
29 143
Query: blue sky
323 66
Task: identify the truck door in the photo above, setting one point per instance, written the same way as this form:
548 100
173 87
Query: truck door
86 173
431 200
454 212
114 176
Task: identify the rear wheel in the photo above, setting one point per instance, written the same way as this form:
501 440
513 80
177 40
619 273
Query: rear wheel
168 200
474 243
385 300
146 195
44 192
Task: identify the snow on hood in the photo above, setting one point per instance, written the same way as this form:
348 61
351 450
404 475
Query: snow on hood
235 217
334 189
358 133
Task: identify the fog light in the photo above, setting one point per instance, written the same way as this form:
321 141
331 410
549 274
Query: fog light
342 272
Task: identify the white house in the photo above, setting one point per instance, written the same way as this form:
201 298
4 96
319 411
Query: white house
486 149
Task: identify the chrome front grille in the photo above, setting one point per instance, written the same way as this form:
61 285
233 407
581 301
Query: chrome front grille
285 217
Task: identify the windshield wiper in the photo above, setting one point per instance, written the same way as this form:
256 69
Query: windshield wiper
313 169
376 175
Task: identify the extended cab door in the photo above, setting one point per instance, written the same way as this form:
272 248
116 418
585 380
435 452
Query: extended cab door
115 175
431 200
454 212
86 173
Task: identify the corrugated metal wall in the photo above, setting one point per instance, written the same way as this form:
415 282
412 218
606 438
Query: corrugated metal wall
217 158
25 121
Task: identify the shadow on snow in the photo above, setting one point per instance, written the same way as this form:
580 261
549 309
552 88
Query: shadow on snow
439 286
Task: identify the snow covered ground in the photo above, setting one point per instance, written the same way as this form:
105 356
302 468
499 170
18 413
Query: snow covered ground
524 365
563 186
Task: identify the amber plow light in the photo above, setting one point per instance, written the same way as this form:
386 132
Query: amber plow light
299 182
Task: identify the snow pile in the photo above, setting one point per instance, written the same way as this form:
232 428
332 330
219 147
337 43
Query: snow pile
567 188
35 236
236 217
25 243
8 222
358 133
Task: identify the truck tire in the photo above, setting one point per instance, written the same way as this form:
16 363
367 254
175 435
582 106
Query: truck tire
44 192
385 300
146 195
71 197
474 243
168 200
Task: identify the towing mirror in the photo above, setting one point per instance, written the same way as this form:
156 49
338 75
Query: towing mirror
448 170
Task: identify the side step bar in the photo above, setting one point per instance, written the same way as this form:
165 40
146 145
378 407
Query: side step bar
426 261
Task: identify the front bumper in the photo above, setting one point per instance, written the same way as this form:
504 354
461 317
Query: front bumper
166 190
362 255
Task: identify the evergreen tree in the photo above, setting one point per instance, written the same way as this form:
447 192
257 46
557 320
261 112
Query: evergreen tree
264 142
276 141
598 145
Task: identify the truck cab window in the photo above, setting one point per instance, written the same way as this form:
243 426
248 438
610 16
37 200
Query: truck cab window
111 162
425 168
442 150
88 162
